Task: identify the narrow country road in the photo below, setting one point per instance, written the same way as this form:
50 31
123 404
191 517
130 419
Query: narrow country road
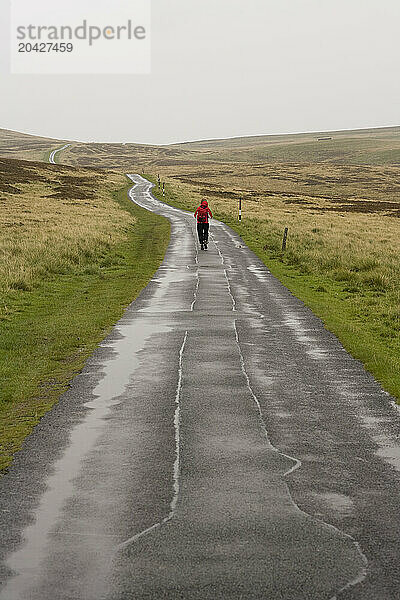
52 157
219 444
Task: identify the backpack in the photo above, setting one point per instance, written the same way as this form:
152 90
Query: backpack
202 214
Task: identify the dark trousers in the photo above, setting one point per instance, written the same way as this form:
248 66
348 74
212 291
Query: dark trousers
202 231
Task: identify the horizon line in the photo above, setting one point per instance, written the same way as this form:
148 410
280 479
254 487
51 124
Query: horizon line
209 140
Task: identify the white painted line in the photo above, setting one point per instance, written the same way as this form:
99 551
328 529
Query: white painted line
195 291
53 154
177 463
230 291
226 276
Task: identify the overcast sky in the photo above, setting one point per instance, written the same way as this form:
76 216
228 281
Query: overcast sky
223 68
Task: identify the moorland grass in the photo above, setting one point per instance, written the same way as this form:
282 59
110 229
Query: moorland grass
72 266
377 146
363 147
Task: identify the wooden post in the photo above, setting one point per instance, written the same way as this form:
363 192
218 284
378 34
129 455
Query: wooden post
240 209
284 239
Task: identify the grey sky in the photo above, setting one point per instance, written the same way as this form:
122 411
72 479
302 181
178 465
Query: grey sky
225 68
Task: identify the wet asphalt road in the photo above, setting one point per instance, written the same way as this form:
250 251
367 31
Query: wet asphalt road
220 443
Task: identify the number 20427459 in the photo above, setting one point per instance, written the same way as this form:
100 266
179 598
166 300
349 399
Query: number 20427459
45 47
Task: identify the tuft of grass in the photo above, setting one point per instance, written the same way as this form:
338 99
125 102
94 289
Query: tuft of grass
63 293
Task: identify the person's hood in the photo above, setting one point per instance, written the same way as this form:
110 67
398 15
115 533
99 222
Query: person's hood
204 203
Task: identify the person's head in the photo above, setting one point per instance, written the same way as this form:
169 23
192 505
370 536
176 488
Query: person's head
204 203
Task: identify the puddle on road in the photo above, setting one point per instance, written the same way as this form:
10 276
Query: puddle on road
261 273
337 502
391 454
384 429
283 415
317 353
165 285
118 371
302 335
372 420
312 458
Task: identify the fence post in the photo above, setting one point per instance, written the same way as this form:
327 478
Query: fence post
284 239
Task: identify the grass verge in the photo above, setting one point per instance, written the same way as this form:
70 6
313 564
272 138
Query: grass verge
363 315
54 327
46 155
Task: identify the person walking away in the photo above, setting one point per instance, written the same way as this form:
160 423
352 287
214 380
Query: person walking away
202 213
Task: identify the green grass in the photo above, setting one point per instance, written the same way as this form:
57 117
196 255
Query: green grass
364 317
57 325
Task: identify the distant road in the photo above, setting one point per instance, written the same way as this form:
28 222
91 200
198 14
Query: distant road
53 154
220 444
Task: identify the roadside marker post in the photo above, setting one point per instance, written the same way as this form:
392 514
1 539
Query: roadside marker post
163 189
240 209
284 239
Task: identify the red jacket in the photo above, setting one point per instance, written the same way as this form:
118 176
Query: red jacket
202 213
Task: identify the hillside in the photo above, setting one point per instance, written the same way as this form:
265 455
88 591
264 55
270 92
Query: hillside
363 146
379 146
14 144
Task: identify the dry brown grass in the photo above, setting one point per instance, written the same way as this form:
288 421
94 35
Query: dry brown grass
359 147
14 144
54 220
